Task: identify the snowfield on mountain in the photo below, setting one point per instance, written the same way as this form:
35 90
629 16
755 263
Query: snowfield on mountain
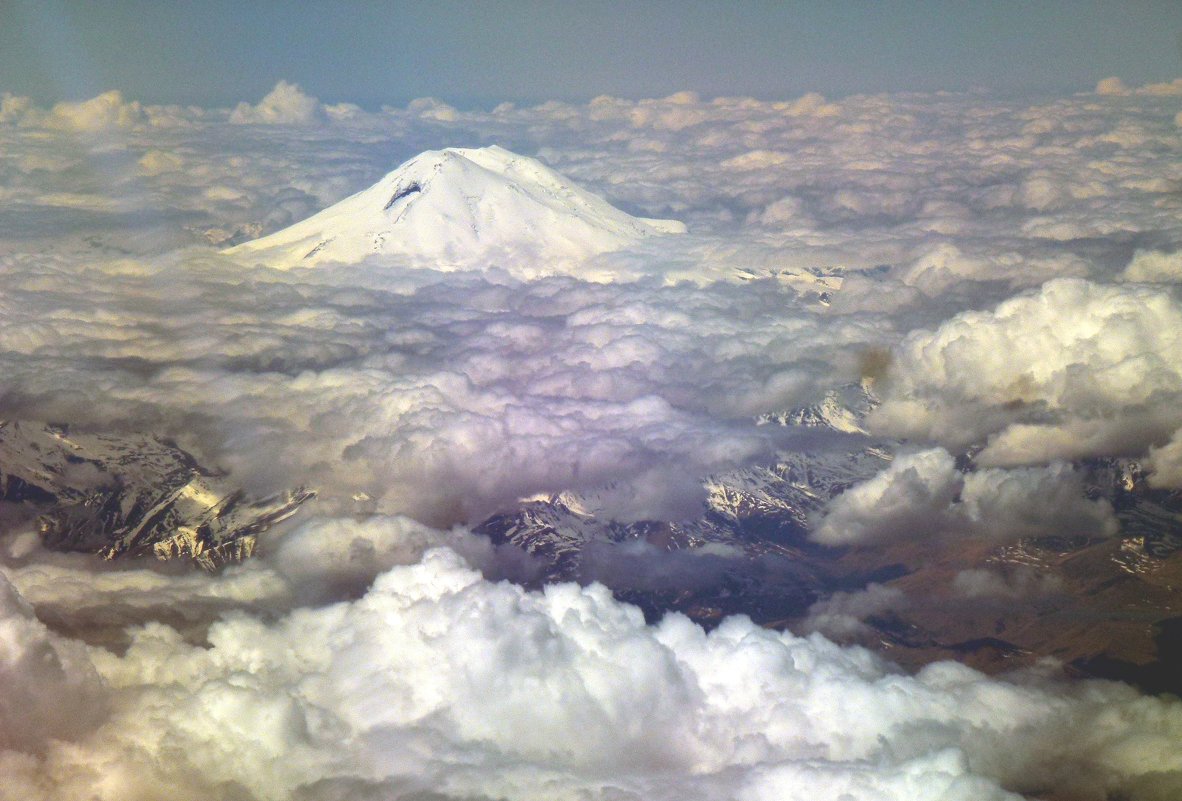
462 208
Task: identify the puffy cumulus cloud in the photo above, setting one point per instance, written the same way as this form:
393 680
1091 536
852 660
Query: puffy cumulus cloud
572 398
437 683
1028 443
1042 368
1154 266
811 104
1033 501
840 615
1165 463
51 689
446 396
922 495
108 111
311 561
430 108
157 162
314 562
13 108
950 169
1115 86
686 111
71 585
909 499
286 104
674 113
945 266
1111 86
758 160
331 558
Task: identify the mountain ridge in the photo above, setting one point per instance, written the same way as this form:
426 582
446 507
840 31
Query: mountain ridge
131 494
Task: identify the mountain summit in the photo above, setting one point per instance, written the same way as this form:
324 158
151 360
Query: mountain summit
458 208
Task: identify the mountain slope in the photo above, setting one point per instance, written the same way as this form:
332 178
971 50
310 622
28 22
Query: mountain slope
131 494
461 208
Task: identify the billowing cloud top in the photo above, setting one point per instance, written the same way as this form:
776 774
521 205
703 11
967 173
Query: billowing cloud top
1074 369
286 104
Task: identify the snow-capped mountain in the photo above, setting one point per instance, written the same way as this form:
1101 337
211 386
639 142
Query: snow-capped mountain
843 409
131 494
461 208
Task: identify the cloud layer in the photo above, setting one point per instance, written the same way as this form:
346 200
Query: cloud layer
923 495
1003 274
437 683
1074 369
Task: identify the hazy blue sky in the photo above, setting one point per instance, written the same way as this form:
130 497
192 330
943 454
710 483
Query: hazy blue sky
218 51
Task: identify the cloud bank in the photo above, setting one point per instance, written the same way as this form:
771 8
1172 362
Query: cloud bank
1074 369
436 683
286 104
923 495
1003 274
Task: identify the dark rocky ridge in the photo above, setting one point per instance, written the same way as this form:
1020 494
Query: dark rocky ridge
1110 616
116 495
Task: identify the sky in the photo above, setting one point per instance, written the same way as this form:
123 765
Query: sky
479 54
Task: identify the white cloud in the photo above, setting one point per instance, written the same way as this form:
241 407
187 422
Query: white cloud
922 495
400 388
51 689
841 615
13 108
908 500
438 682
447 396
1034 501
1154 266
943 267
1111 86
108 110
1165 463
286 104
1072 354
157 162
1115 86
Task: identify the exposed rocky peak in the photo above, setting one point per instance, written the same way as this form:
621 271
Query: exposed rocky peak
131 494
755 512
843 409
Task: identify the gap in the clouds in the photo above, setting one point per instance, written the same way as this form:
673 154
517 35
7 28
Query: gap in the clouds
1159 676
